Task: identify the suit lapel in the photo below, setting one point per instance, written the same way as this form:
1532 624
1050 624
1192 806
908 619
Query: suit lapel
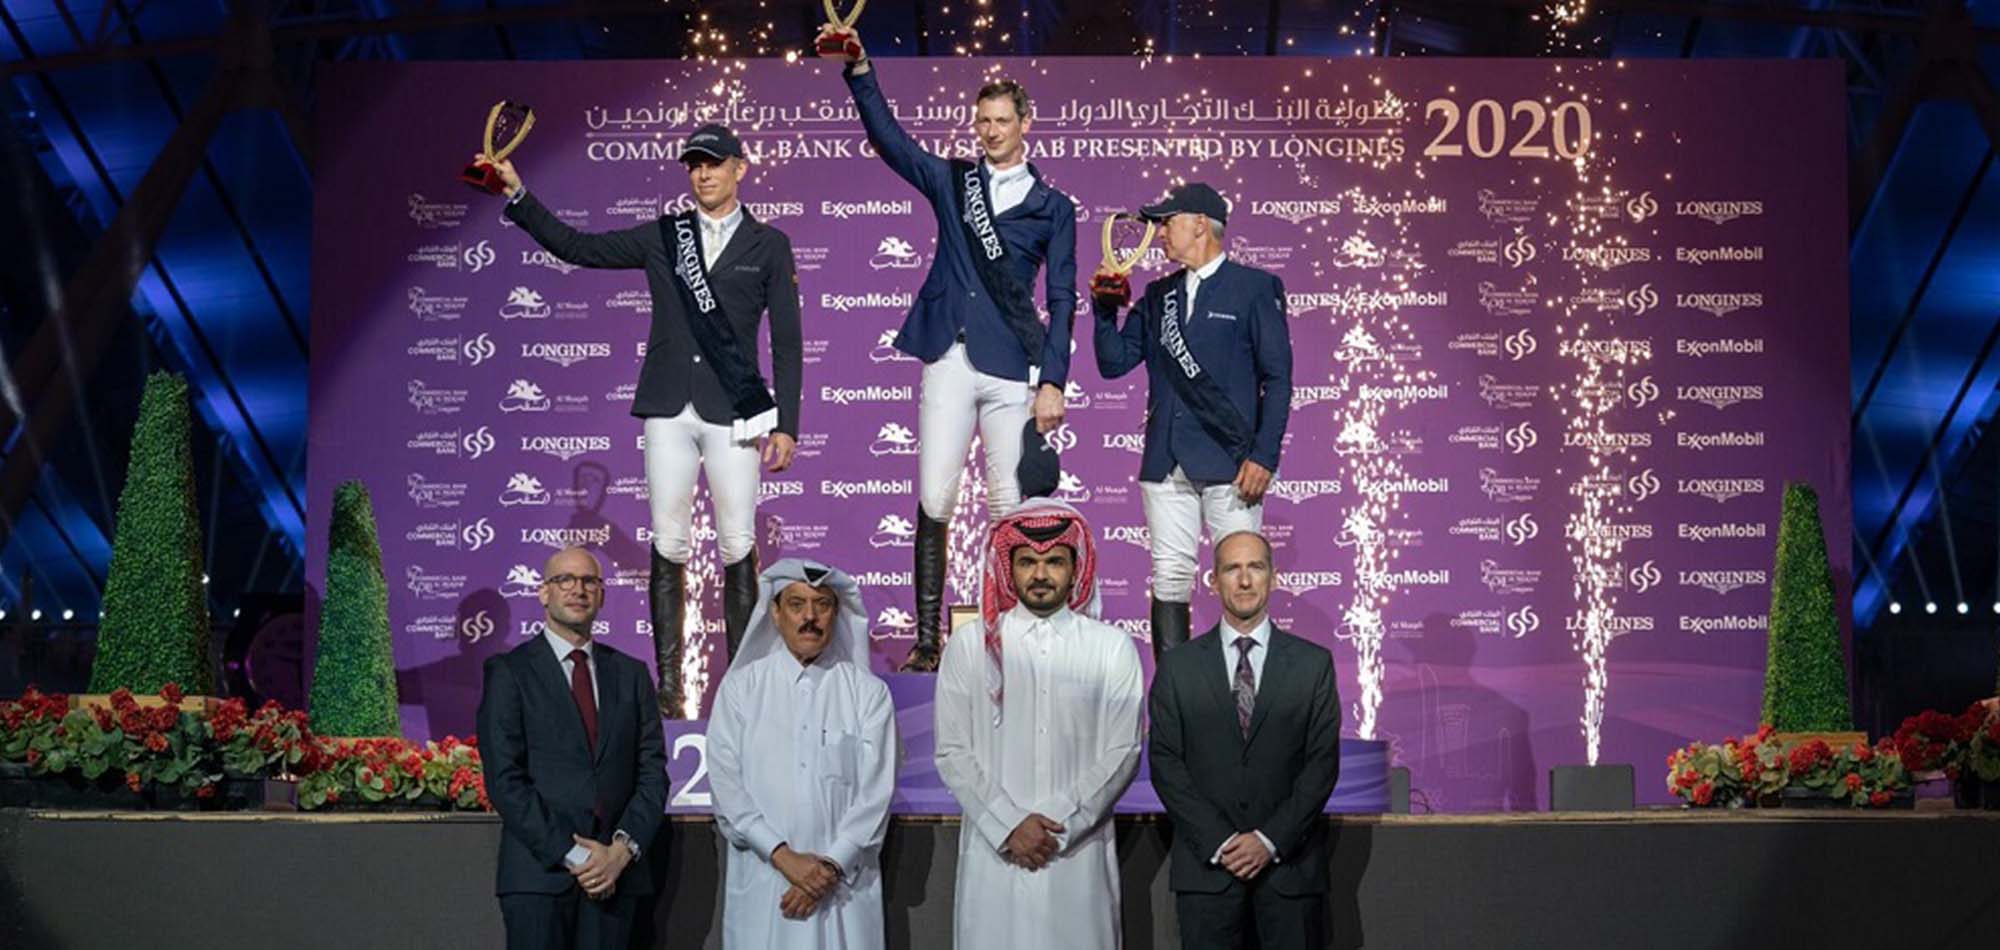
1215 673
1275 678
749 234
548 671
1038 195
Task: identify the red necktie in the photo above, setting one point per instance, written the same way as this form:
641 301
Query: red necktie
579 688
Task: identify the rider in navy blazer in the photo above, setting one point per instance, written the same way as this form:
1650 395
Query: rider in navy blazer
981 368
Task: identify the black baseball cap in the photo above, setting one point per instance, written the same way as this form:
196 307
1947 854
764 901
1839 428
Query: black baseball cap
1191 198
713 140
1040 469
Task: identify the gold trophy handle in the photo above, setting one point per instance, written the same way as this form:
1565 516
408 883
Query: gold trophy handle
839 22
500 153
1124 265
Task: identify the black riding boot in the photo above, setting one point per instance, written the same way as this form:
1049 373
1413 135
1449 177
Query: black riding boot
665 593
1170 626
933 538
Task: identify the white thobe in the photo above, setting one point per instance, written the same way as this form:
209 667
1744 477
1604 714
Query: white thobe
1066 747
803 756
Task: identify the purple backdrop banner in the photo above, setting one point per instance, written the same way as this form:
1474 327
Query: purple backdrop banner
1562 332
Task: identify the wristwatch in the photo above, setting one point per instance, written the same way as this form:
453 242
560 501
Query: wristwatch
630 845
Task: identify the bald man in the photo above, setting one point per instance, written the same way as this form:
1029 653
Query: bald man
577 813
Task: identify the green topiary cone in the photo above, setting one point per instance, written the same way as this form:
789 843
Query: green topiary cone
354 679
1805 676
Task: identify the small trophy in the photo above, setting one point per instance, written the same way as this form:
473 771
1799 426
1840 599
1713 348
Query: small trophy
1115 283
506 125
840 41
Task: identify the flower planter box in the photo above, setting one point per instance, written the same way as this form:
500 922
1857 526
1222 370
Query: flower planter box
231 794
1813 798
423 803
193 704
1834 740
1989 796
70 790
16 785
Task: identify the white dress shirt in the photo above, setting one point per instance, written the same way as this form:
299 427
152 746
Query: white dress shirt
1193 283
716 232
1009 186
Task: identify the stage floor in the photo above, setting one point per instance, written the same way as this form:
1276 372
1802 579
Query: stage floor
1665 878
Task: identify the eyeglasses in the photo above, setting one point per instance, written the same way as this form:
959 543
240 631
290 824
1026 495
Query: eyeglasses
591 582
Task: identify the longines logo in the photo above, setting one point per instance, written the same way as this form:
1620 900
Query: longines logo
768 211
523 491
524 303
1608 349
1507 303
1607 441
1296 583
1508 489
1297 490
436 215
430 495
1722 582
565 355
1508 209
1296 212
877 208
780 488
1597 530
542 258
1307 395
873 300
1726 531
893 439
1727 254
560 538
844 490
1499 395
565 447
1733 346
1132 534
1719 397
435 400
435 308
1751 623
885 350
1719 490
1612 624
1132 442
894 253
1719 212
849 395
598 628
1719 304
1704 441
1607 256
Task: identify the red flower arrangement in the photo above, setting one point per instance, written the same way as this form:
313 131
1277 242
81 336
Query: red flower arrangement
445 774
1755 769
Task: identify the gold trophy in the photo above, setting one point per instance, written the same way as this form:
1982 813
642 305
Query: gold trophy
1116 283
841 41
506 126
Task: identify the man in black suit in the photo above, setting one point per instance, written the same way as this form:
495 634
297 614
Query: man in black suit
1245 747
577 770
713 271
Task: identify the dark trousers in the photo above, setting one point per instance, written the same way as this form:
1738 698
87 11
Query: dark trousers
567 921
1250 916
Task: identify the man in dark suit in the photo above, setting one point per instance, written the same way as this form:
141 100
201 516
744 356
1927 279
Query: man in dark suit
714 271
987 354
576 767
1245 748
1218 360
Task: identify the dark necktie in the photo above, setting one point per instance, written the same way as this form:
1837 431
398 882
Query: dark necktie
579 689
1246 684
